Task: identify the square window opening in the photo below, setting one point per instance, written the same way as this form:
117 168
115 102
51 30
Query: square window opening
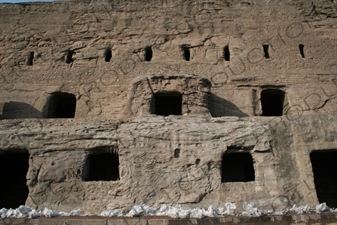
166 104
237 167
102 167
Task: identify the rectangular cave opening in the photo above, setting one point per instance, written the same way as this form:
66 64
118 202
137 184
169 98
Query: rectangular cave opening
166 104
272 101
266 51
237 167
61 105
13 170
324 167
102 164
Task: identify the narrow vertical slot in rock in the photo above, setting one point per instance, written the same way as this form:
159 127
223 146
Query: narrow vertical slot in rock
148 54
226 53
266 51
186 52
301 47
176 153
30 59
107 55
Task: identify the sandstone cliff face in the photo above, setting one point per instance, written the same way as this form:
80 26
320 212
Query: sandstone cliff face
115 68
65 46
169 160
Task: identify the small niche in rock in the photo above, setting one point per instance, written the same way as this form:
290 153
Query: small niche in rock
30 59
301 47
197 161
266 51
226 53
176 153
186 52
107 55
148 54
69 57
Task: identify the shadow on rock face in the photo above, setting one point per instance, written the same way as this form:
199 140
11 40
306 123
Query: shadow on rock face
221 107
15 110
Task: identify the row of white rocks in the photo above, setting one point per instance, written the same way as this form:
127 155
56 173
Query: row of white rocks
176 211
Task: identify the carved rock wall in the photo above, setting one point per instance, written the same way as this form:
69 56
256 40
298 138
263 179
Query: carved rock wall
151 172
66 43
48 48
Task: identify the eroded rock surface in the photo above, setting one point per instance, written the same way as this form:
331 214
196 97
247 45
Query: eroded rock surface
169 160
250 88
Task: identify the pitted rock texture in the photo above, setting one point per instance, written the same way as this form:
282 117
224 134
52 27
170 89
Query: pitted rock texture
102 63
62 47
152 172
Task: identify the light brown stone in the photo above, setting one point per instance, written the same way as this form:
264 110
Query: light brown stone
174 159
